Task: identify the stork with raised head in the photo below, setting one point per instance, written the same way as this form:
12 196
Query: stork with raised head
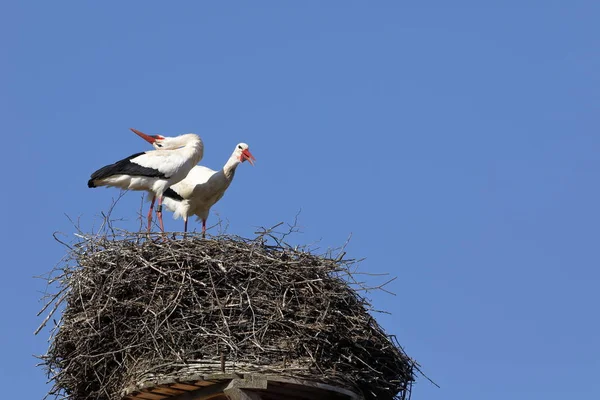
203 187
154 171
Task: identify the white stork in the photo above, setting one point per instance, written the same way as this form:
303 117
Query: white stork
203 187
154 170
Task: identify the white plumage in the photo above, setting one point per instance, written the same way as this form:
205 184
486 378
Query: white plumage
154 170
203 187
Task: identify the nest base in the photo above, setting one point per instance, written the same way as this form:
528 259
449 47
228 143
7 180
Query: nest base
238 387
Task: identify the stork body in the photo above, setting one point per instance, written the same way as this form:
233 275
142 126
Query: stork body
154 171
203 187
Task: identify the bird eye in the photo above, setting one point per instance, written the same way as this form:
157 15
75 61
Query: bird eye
159 145
240 147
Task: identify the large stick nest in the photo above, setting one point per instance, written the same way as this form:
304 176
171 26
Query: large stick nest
135 310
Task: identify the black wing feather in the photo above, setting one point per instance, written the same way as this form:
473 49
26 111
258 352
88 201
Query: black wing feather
170 193
125 167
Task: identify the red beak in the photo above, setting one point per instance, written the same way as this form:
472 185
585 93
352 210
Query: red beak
248 156
147 138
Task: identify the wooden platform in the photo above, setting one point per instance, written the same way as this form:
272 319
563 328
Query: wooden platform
239 387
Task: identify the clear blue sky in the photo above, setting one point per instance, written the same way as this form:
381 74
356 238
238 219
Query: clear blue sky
458 142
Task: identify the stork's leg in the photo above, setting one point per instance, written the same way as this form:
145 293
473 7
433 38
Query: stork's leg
185 225
159 214
203 229
150 213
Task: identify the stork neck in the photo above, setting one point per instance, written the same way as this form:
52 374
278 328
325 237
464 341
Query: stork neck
230 166
193 144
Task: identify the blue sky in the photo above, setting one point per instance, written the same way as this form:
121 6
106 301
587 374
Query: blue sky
456 141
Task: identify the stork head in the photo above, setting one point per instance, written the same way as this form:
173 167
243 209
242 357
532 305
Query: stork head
157 141
242 153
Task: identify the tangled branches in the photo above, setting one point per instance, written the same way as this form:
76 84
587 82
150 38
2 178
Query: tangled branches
136 310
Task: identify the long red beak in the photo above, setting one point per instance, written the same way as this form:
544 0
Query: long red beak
248 156
147 138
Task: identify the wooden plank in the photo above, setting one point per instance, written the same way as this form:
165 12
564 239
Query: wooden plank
204 383
206 393
236 390
135 397
166 390
249 386
150 396
285 381
221 376
184 387
243 394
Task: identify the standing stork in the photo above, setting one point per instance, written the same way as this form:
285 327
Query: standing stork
203 187
154 170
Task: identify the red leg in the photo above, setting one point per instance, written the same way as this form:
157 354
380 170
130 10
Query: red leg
203 229
150 213
159 214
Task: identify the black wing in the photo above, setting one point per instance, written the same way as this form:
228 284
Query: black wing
125 167
170 193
